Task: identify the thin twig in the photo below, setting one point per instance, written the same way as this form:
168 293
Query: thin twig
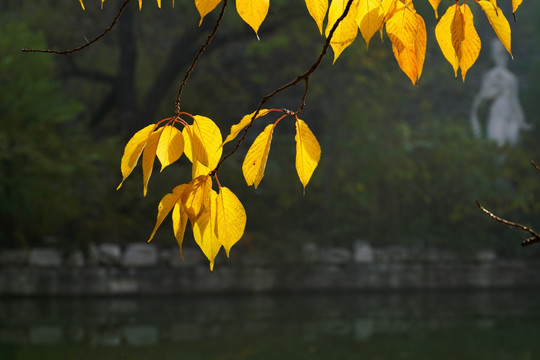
199 53
304 76
535 165
533 239
94 40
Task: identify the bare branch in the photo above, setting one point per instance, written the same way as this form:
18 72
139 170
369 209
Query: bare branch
94 40
533 239
199 53
535 165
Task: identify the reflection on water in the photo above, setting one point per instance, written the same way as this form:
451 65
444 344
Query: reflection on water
451 325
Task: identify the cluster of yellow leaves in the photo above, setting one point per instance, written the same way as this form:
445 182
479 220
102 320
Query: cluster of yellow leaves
406 29
217 218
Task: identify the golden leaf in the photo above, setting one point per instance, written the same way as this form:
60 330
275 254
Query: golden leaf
202 143
205 6
308 152
231 219
257 156
204 230
133 151
82 5
469 47
179 222
498 23
246 120
170 146
166 205
370 18
196 196
149 156
435 6
253 12
347 29
317 9
515 5
407 31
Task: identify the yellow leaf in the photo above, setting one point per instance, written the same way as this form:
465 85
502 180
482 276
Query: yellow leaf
204 230
246 120
170 146
435 6
159 3
308 152
140 4
196 196
498 23
204 144
166 205
231 219
257 156
407 31
458 39
317 9
82 5
179 222
443 34
370 18
515 5
347 29
149 156
133 151
205 6
253 12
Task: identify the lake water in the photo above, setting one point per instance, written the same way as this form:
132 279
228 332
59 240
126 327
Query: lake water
386 325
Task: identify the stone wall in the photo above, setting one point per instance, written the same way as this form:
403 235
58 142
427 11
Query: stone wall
109 269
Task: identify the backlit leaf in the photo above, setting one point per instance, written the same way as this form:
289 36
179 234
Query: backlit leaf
231 219
369 18
246 120
347 29
317 9
82 5
257 156
515 5
202 142
166 205
149 156
204 230
179 222
470 45
205 6
196 196
443 34
435 6
498 22
170 146
308 152
407 31
133 151
253 12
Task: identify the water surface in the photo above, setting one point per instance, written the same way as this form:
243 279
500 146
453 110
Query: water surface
391 325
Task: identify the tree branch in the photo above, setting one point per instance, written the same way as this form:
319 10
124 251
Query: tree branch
94 40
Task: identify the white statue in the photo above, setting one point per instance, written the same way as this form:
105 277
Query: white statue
505 118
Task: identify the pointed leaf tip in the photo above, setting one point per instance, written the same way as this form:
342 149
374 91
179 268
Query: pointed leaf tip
308 152
133 150
253 12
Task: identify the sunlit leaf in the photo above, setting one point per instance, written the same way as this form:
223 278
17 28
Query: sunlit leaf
257 156
205 6
204 230
204 144
170 146
443 34
179 222
515 5
82 5
435 6
166 205
347 29
498 22
140 4
253 12
231 219
149 156
133 151
317 9
246 120
469 47
369 18
407 31
308 152
196 195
